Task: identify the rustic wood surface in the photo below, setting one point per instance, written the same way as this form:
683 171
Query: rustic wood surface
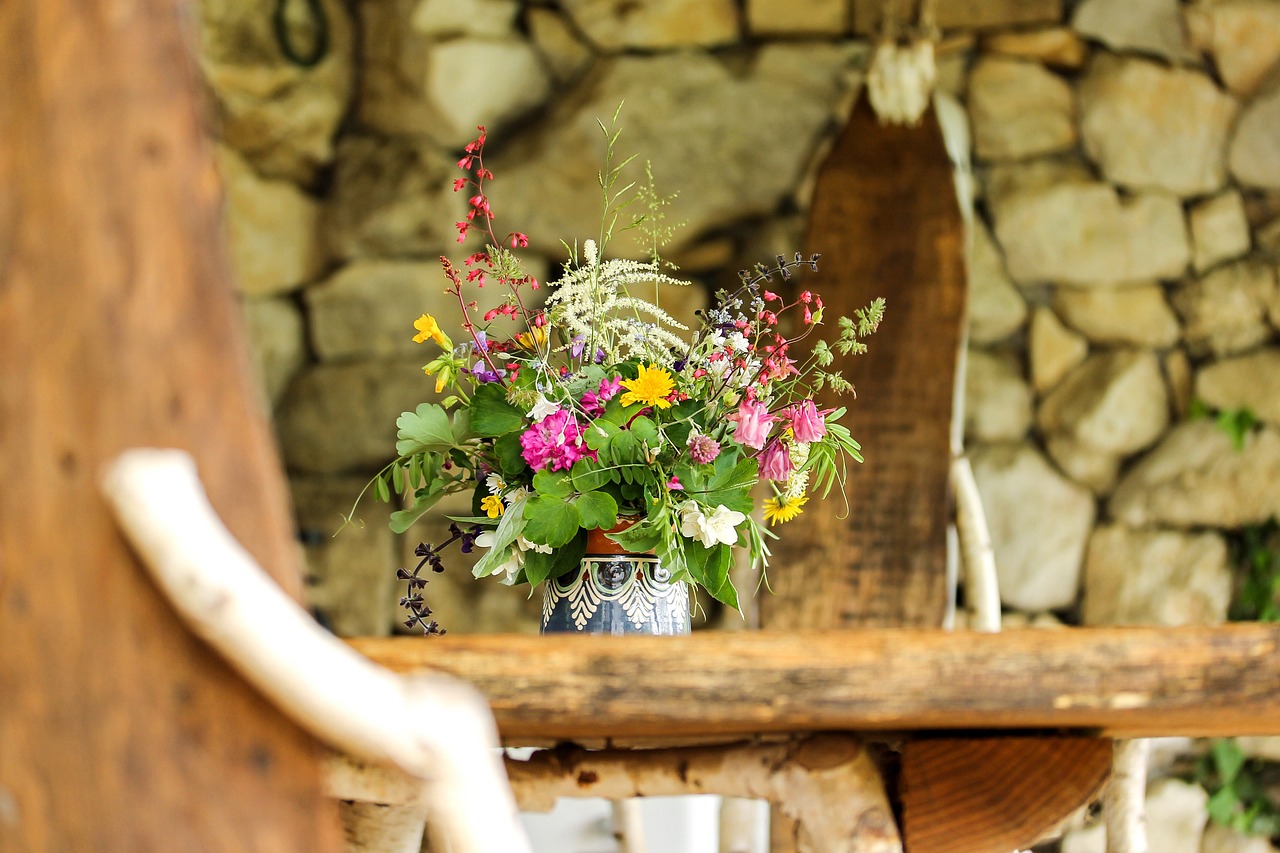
993 795
1116 681
118 729
886 220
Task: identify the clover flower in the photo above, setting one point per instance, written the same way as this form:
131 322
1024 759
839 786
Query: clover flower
554 443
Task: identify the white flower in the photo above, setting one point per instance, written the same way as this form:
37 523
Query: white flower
717 339
719 368
516 494
542 408
749 373
510 567
495 483
716 528
738 342
526 545
589 252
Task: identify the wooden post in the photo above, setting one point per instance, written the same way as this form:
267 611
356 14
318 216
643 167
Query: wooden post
119 730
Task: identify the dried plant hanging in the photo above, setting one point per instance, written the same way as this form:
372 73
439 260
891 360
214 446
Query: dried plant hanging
903 71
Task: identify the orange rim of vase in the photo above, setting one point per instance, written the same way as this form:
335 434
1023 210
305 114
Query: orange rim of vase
599 543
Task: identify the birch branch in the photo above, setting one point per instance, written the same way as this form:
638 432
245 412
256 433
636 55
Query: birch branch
1124 803
982 588
435 728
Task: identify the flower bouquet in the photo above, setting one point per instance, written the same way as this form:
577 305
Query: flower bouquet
602 419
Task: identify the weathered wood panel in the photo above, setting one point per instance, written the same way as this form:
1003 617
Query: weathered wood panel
992 795
118 729
1116 681
886 220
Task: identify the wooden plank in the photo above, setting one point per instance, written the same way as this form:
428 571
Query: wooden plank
118 729
1129 682
992 795
966 14
886 221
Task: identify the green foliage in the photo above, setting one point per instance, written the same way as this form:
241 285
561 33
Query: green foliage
1257 554
1237 796
1236 423
491 414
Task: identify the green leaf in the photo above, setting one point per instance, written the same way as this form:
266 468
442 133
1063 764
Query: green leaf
539 567
644 429
709 567
641 537
596 509
462 426
491 414
588 476
1228 759
380 488
397 477
552 484
624 448
426 428
550 521
598 433
402 520
509 452
1222 805
509 529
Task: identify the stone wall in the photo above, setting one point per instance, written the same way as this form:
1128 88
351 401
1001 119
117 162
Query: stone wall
1126 159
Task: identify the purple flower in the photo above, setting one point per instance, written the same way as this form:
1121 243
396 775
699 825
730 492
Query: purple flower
576 346
483 375
806 421
481 342
703 448
754 423
775 462
554 443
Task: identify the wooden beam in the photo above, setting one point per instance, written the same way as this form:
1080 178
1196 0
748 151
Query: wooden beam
119 729
1126 682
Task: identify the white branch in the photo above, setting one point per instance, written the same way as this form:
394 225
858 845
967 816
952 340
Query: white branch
1124 803
982 587
437 729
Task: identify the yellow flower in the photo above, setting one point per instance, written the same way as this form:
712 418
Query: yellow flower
533 339
429 330
442 377
782 509
493 506
651 387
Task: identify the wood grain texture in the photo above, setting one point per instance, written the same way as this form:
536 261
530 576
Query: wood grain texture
118 729
993 795
1116 681
886 221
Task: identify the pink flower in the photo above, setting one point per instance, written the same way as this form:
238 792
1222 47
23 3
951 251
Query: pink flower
593 401
554 443
754 423
703 448
806 421
674 483
775 462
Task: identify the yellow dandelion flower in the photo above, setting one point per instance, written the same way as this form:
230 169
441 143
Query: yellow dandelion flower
651 387
429 330
781 509
532 339
493 506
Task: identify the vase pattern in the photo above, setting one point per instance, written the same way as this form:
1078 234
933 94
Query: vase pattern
616 594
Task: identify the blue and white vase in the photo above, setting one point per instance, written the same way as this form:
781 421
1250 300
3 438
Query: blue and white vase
615 592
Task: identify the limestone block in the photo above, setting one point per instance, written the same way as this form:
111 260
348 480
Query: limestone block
997 399
1269 242
1054 350
1018 109
1249 381
272 229
483 81
1266 748
350 576
1094 469
1195 477
440 19
1086 839
1242 37
1254 153
367 309
564 53
1084 234
283 117
1115 402
1002 180
733 144
1223 839
1225 311
1138 26
996 308
1177 372
1130 315
393 197
1177 812
796 17
1155 128
968 15
620 24
1219 230
1039 524
277 342
1150 577
1057 47
339 418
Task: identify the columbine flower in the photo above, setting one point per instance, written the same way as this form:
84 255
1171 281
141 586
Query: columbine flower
807 423
782 509
429 330
493 506
702 448
754 423
542 408
554 443
651 387
775 462
710 530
